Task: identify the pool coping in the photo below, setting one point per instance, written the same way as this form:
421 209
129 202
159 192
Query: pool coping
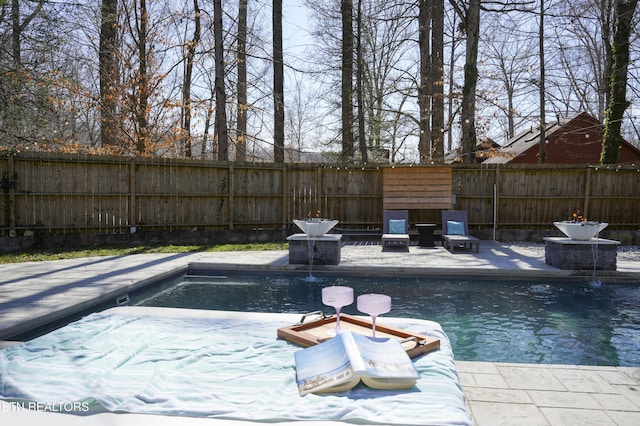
425 271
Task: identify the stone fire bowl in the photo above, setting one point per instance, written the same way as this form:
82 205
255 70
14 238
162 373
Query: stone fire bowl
581 231
315 228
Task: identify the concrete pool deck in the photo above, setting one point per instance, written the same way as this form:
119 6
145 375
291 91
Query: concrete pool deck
36 293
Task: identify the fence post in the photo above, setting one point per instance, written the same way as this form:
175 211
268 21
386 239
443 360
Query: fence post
11 178
320 203
132 195
496 200
231 190
286 197
587 190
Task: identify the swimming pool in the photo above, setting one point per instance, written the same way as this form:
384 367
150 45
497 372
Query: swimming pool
546 322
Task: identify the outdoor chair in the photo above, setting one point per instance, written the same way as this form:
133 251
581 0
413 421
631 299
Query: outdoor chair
455 230
396 228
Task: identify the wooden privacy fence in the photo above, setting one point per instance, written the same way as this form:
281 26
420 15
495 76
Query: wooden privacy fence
94 194
534 196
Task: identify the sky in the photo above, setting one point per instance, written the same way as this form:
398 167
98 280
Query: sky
296 28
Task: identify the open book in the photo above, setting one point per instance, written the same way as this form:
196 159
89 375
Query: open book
340 363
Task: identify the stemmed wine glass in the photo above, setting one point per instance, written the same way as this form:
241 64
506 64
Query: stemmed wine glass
374 305
337 296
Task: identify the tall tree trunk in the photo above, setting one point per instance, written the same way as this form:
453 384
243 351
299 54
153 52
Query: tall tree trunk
542 155
436 74
278 84
362 142
604 92
221 97
346 11
424 90
186 88
143 81
241 142
109 73
16 34
618 103
451 71
472 28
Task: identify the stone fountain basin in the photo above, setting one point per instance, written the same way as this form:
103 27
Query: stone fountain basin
315 228
581 231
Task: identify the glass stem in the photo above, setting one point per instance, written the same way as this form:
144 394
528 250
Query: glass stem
373 324
337 320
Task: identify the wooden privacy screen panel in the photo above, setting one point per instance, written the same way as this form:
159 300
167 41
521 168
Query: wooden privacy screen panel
417 188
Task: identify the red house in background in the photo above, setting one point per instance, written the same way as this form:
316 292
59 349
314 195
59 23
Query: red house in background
573 140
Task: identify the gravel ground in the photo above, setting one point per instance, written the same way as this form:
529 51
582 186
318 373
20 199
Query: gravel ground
626 253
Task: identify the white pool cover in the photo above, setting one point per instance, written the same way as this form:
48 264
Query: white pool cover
226 365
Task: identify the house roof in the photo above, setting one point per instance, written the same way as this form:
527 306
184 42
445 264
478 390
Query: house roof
564 132
524 141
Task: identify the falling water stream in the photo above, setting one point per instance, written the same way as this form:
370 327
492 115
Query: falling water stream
594 254
311 243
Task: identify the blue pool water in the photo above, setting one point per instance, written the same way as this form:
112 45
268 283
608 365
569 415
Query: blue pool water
567 322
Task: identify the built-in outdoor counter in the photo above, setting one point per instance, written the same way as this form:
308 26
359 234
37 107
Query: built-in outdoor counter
305 250
566 253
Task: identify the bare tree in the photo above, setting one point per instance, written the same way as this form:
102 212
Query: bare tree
469 13
390 69
241 138
23 87
19 26
542 155
221 98
191 47
509 61
431 87
362 141
109 73
346 12
470 16
618 103
579 55
142 91
453 91
278 84
129 74
424 87
141 80
301 111
436 75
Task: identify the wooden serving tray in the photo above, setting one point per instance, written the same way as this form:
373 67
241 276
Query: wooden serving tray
319 330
